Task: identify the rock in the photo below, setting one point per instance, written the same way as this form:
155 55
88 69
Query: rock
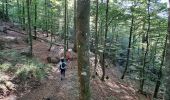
3 89
3 29
53 60
8 39
26 51
73 55
107 77
3 77
2 45
9 85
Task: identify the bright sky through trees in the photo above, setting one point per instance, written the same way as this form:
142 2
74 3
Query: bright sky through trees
165 1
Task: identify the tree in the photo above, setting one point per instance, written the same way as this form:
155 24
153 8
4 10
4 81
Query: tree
65 28
29 25
46 16
105 38
23 15
6 8
51 28
96 38
3 10
19 11
35 19
83 16
160 74
129 46
145 39
167 85
75 11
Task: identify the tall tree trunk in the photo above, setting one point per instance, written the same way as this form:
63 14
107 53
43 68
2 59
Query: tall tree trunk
51 38
67 24
75 10
29 26
129 46
146 38
6 8
105 38
19 12
167 85
3 10
158 82
65 29
46 18
35 19
83 17
96 38
23 14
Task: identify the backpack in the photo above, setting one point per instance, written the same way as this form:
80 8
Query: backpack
63 65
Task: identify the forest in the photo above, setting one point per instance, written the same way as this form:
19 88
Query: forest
84 49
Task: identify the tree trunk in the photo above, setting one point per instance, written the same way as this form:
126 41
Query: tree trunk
6 8
65 29
46 18
158 83
129 47
29 26
19 12
75 10
35 19
83 17
67 24
3 10
105 38
23 15
167 85
51 30
96 38
146 39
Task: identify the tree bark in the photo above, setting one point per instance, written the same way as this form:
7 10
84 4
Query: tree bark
83 17
105 38
29 26
158 83
65 29
35 19
46 17
6 8
146 39
19 12
75 10
129 47
23 14
167 76
96 38
3 10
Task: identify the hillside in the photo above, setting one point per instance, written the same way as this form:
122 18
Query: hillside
51 87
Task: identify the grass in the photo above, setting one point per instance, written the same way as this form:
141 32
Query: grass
22 66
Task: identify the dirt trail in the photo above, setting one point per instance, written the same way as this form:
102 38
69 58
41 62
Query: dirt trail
55 89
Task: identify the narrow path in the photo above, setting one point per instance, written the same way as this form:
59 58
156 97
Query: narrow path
53 87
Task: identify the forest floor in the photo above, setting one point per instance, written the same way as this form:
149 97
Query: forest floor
52 88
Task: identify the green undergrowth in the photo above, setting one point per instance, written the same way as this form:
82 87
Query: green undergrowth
21 66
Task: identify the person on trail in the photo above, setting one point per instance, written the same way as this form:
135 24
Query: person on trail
68 54
62 68
68 57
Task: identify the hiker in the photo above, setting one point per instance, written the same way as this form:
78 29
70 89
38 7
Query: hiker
62 67
68 54
68 57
